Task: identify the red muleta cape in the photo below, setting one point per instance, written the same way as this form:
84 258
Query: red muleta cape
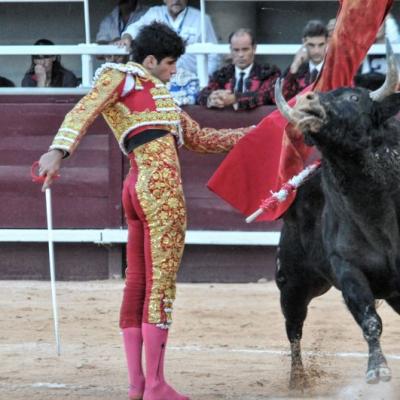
274 151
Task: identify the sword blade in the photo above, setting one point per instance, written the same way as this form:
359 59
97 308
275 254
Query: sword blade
52 269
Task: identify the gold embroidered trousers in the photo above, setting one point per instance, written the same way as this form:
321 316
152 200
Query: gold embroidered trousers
155 210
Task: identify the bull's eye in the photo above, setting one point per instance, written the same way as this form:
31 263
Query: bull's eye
354 97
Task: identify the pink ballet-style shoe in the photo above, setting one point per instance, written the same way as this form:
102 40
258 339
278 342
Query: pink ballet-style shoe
155 340
162 391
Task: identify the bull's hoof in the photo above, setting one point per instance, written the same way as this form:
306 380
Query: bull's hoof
375 375
385 374
298 380
372 376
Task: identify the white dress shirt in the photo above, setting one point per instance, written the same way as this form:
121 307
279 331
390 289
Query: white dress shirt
187 25
238 71
313 66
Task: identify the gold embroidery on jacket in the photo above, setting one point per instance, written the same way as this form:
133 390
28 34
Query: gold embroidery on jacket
87 109
104 98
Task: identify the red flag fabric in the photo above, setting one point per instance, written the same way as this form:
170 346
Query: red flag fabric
274 151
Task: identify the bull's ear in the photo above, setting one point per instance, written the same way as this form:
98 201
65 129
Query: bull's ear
386 108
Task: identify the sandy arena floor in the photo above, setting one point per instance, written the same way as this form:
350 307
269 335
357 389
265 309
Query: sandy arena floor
227 343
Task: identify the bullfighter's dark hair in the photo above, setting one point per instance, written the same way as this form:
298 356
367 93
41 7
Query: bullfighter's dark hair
315 27
158 40
243 31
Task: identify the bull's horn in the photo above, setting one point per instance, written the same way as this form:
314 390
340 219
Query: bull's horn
282 104
392 76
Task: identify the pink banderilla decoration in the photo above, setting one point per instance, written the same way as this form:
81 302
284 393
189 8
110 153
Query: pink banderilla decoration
279 197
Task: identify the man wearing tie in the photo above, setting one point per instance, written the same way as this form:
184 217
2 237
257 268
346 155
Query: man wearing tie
244 84
308 61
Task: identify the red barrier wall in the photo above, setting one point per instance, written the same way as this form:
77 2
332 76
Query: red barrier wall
88 193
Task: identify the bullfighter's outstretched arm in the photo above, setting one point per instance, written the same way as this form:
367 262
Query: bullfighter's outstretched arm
209 140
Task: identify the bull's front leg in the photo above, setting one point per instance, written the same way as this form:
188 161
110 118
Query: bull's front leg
294 308
359 299
298 378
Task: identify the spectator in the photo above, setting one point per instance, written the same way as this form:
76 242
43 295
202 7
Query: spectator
185 21
124 14
47 71
184 87
308 61
4 82
243 84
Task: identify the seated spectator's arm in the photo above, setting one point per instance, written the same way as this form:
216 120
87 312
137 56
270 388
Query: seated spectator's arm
205 93
209 140
293 82
133 29
103 34
292 85
40 73
129 34
299 59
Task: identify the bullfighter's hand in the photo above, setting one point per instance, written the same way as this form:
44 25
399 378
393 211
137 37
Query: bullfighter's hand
49 166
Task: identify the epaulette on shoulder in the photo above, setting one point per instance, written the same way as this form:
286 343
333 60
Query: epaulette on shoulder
129 68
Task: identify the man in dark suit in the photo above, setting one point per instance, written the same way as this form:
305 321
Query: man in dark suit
308 61
244 84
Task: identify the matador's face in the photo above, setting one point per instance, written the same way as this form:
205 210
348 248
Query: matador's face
164 69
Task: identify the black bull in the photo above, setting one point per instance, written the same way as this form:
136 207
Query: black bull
343 228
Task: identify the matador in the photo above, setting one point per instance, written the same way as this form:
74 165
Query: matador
149 127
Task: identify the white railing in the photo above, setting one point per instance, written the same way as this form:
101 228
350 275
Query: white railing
87 64
85 50
201 50
110 236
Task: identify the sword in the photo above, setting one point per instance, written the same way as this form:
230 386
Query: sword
40 179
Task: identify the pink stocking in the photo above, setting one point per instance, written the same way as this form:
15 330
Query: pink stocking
155 341
133 341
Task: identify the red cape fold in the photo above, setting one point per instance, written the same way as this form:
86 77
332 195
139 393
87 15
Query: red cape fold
274 151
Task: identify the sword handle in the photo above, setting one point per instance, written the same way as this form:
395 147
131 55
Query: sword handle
38 178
